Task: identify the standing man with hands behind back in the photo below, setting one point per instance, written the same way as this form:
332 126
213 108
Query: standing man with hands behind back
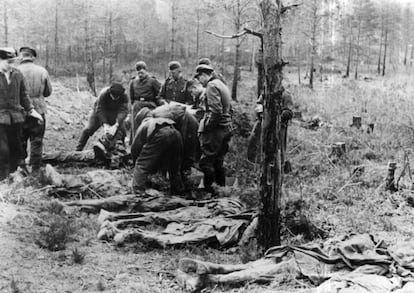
14 104
38 88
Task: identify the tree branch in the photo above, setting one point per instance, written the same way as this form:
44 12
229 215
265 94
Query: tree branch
227 37
286 8
238 35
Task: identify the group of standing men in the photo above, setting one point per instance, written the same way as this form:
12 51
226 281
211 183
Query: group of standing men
23 87
165 135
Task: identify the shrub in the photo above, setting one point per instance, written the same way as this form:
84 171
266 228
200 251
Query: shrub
57 233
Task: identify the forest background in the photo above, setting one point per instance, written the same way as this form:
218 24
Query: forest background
104 39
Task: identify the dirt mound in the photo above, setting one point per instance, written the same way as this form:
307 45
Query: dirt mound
68 112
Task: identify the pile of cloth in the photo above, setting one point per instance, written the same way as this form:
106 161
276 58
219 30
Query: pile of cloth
350 263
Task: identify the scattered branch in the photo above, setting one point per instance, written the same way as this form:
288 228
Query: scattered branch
286 8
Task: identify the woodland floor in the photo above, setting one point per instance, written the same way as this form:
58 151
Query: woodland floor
332 197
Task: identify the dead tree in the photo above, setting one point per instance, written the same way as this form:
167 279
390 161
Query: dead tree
271 171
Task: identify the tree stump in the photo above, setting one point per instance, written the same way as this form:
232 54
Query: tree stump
370 128
338 149
356 122
390 180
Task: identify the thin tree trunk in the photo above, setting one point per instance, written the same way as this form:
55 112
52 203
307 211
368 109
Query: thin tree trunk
348 63
6 24
90 71
56 36
357 50
173 28
271 175
380 50
405 54
47 54
385 51
236 72
198 31
110 41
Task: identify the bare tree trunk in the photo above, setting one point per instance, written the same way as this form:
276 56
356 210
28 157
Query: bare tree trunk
198 31
380 50
173 27
47 55
271 175
405 54
6 24
348 63
90 68
236 72
110 41
56 37
357 50
313 42
385 51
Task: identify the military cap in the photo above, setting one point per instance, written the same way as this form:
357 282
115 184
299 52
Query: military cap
205 61
203 68
7 53
116 89
29 49
174 65
140 65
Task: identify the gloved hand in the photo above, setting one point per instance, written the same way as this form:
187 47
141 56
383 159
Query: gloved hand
106 128
286 115
33 113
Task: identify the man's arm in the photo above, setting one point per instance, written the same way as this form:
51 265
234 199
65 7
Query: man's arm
100 107
123 109
47 91
215 107
156 86
131 91
138 143
25 100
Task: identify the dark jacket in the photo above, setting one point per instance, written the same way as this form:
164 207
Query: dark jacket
14 100
176 90
144 90
145 132
217 100
110 111
187 125
37 83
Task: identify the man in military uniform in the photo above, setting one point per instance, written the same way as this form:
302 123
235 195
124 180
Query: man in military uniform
14 104
157 146
38 87
215 127
110 110
143 92
175 86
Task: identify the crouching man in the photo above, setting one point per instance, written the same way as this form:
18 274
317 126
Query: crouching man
157 146
110 110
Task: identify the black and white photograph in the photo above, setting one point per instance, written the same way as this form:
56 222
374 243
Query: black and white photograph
207 146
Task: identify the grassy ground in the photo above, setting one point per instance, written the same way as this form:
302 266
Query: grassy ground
334 198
